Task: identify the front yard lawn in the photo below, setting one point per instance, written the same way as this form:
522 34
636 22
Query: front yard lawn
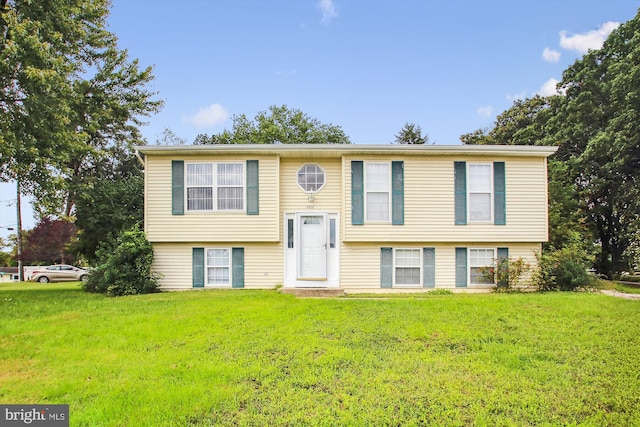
262 358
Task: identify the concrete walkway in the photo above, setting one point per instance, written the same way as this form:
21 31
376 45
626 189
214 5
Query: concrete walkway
620 294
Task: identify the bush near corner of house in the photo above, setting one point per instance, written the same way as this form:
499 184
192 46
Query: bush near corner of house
124 266
506 274
563 269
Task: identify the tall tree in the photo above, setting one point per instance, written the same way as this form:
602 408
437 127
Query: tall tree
111 204
67 92
411 134
278 125
602 136
50 242
595 175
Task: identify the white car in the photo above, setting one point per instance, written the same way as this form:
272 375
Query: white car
59 273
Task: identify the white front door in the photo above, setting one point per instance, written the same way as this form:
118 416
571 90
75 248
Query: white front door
313 247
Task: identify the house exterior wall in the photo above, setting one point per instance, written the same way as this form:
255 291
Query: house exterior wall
361 263
262 267
428 214
162 226
429 203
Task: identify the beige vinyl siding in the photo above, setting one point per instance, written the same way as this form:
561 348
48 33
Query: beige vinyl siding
294 199
360 263
263 264
429 203
162 226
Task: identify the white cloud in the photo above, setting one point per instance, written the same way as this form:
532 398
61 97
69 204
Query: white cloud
550 55
590 40
328 10
485 111
212 115
516 96
549 88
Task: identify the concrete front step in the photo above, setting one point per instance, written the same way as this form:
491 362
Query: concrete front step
312 292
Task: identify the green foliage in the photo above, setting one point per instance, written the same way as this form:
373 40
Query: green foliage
278 125
563 270
594 178
411 134
113 203
507 273
49 242
66 94
124 266
259 358
440 292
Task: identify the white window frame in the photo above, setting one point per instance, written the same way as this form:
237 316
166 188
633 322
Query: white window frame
320 169
470 265
469 193
215 186
229 267
366 192
396 266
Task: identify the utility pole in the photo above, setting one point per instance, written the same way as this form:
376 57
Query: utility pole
19 233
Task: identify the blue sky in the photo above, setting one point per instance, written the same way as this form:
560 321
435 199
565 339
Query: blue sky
368 66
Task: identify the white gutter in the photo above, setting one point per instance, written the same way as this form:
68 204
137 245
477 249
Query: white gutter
338 150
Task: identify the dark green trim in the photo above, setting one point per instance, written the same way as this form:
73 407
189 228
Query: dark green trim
461 267
177 187
237 266
503 253
197 262
397 193
357 192
499 194
460 184
428 267
253 190
386 267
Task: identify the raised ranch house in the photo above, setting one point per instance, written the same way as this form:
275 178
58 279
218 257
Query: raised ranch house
362 218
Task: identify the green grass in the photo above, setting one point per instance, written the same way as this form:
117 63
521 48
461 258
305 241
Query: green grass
627 288
262 358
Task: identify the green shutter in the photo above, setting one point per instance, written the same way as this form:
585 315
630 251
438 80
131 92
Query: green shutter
252 188
502 254
461 267
357 192
237 266
386 267
499 194
177 187
397 193
460 183
428 267
198 267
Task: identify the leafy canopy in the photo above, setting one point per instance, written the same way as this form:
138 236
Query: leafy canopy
595 175
66 93
411 134
278 125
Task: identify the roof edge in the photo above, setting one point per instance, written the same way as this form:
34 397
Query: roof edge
342 149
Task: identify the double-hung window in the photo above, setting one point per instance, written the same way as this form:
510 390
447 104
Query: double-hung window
480 259
480 184
218 267
407 266
377 191
230 188
215 186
